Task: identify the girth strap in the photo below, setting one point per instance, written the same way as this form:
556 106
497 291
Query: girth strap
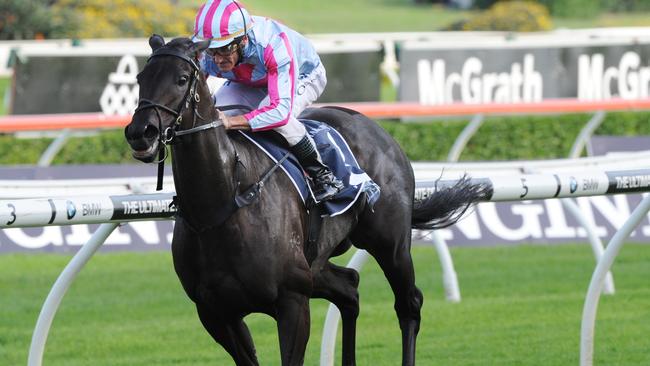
314 224
253 192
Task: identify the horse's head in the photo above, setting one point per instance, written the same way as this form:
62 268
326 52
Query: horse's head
168 84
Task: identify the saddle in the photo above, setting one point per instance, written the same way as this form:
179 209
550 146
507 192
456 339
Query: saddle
336 154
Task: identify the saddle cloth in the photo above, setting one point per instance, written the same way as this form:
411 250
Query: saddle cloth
335 153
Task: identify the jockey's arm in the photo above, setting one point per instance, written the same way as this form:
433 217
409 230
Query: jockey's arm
281 77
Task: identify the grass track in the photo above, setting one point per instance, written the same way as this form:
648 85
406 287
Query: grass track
521 306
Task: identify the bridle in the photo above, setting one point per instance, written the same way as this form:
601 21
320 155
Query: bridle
191 97
167 136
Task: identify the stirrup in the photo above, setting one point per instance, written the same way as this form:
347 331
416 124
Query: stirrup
327 188
326 194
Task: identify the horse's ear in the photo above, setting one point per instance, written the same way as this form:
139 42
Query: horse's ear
200 46
156 41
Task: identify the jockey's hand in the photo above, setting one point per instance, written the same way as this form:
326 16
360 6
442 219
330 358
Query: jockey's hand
234 122
225 119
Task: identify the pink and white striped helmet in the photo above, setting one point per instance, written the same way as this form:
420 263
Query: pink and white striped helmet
221 21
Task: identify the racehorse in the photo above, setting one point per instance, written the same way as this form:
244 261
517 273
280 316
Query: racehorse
232 260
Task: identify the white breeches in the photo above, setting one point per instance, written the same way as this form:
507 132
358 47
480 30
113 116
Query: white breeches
308 89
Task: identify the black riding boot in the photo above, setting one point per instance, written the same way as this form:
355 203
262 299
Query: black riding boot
325 184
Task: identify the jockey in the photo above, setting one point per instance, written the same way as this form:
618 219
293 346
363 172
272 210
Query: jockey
273 70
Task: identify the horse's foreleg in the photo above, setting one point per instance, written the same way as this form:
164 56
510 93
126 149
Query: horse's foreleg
233 336
293 327
185 253
398 268
339 285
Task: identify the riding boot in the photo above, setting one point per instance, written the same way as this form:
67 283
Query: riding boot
325 184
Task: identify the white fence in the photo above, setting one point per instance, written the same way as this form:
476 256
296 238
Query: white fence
424 171
112 210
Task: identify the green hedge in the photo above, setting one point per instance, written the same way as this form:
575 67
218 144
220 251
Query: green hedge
560 8
511 138
626 5
511 16
500 138
78 19
573 8
581 8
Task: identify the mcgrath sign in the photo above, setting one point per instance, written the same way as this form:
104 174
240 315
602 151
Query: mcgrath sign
79 81
515 73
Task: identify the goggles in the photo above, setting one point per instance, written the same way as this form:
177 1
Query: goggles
226 50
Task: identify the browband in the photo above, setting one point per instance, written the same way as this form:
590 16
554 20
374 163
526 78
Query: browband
162 51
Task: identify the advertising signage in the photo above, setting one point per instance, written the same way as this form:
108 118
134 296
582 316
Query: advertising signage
489 223
79 82
481 74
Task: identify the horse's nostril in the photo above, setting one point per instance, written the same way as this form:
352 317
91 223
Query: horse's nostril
150 132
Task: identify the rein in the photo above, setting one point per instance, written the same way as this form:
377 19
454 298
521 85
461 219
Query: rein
168 135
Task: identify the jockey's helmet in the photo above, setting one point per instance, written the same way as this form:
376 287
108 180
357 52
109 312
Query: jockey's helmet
222 22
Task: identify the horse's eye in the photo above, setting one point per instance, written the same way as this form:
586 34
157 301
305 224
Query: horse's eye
183 80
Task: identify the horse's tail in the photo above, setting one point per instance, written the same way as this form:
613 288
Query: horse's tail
445 206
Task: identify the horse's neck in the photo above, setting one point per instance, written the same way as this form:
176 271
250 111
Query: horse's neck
204 169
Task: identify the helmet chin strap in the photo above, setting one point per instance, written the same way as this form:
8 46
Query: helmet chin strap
240 49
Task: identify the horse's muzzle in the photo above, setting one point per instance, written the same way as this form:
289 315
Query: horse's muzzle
143 140
148 155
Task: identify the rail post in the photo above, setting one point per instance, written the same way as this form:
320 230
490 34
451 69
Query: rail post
588 326
53 300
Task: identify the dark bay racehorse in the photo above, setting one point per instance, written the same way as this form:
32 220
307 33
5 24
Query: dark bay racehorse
233 262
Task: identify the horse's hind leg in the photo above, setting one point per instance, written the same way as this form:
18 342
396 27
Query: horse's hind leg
340 285
232 335
397 264
293 327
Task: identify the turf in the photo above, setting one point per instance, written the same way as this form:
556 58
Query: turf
521 306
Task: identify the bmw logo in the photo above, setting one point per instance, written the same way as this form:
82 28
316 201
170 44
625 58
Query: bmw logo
70 209
573 185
